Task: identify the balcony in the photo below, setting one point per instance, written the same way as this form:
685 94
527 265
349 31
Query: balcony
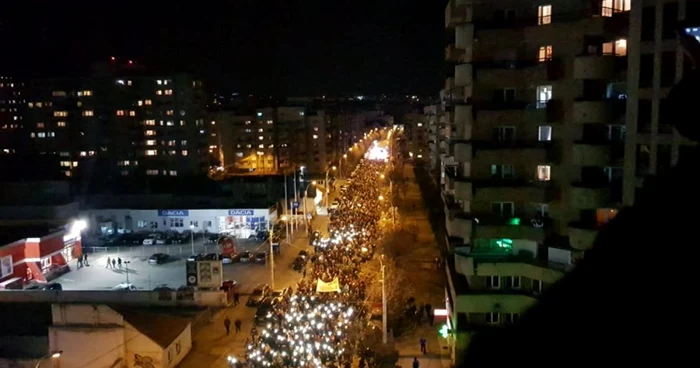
588 193
454 54
598 153
456 13
582 235
520 226
463 75
594 66
598 111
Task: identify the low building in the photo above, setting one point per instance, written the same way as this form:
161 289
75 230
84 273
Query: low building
240 222
102 336
36 253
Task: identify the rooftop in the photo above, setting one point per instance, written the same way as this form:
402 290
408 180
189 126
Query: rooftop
163 329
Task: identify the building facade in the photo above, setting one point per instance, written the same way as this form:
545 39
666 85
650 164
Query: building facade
657 61
536 113
416 133
119 120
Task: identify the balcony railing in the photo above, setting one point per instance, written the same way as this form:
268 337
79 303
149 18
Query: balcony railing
507 144
517 219
620 18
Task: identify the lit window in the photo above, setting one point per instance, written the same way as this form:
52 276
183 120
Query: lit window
544 172
419 125
30 104
83 153
184 152
132 113
259 114
41 135
128 83
315 136
269 122
60 113
33 135
147 102
183 142
261 146
79 104
247 122
171 143
58 93
88 113
61 124
544 133
315 129
120 82
150 142
169 112
261 130
39 104
149 122
261 137
239 154
151 152
39 125
159 82
159 92
545 53
149 133
151 172
139 103
544 14
621 47
544 94
85 93
168 92
120 112
213 122
173 173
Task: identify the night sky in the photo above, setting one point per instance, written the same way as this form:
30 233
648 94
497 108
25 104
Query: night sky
292 47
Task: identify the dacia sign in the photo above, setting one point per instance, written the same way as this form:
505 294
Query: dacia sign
173 213
241 212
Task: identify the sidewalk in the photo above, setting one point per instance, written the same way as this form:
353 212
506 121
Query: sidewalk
429 283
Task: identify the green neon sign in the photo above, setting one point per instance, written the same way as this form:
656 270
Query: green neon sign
444 331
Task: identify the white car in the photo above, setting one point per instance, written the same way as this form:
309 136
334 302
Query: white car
335 205
151 239
124 287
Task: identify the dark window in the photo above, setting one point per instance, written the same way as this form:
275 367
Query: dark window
642 161
668 68
685 152
665 125
663 159
648 20
687 64
644 116
646 70
670 18
692 10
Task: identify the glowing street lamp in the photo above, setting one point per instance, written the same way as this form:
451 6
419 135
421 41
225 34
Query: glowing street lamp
326 183
52 355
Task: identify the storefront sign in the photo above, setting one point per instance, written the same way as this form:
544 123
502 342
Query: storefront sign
209 274
191 273
173 213
241 212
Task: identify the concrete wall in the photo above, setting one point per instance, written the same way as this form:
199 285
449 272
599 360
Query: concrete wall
155 298
180 347
140 348
87 345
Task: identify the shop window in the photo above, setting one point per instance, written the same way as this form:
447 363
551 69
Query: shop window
194 223
142 223
544 172
177 222
45 263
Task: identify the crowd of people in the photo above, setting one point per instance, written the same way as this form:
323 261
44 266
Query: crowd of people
310 328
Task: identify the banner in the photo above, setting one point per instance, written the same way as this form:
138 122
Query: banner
328 287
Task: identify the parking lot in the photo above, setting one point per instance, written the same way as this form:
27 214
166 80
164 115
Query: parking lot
146 276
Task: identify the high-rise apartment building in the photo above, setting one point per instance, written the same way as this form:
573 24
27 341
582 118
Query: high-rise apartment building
657 62
119 120
11 115
535 110
416 134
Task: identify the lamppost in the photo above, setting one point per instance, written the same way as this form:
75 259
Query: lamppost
340 165
285 219
272 256
192 238
384 307
53 355
327 185
306 214
126 269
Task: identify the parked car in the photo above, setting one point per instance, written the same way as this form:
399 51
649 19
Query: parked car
246 257
42 286
335 205
303 253
260 257
163 288
195 257
151 239
158 258
258 294
124 287
266 310
281 293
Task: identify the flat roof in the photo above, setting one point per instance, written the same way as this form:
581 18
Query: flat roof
11 234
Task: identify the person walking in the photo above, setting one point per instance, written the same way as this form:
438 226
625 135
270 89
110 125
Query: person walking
238 324
423 347
119 262
109 263
236 298
227 325
85 260
114 263
416 363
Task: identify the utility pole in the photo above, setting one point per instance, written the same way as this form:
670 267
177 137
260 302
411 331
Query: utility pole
272 258
384 307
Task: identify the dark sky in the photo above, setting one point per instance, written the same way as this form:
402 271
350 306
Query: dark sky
295 47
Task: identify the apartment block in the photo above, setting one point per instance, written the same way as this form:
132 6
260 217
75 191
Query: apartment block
657 61
118 120
536 115
416 133
11 115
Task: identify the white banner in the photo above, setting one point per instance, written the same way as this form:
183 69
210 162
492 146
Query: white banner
6 266
328 287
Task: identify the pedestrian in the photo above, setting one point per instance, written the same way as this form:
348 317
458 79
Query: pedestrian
114 263
304 272
85 260
119 262
109 262
423 347
80 261
416 363
227 325
236 298
238 324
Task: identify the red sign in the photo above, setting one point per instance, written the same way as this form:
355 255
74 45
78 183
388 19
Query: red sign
228 246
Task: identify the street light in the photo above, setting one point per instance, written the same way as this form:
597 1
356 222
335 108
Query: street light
272 257
384 308
53 355
328 189
306 214
286 225
126 268
340 165
192 237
